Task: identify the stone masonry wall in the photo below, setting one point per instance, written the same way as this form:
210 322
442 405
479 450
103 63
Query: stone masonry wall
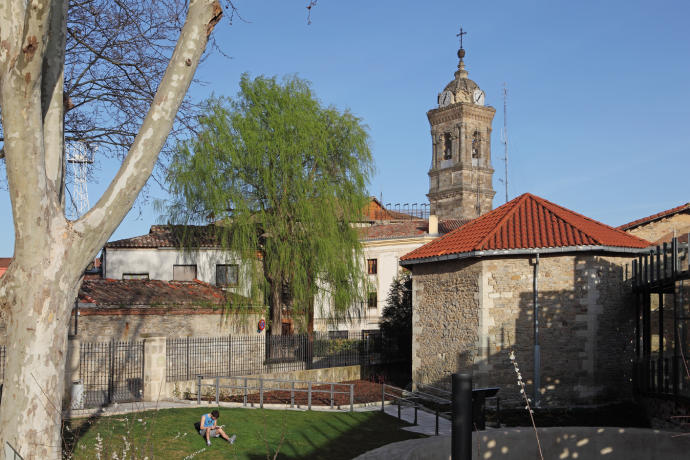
586 325
103 327
663 228
445 302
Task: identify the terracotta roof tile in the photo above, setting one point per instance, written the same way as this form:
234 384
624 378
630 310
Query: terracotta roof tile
527 222
659 215
170 236
124 293
406 229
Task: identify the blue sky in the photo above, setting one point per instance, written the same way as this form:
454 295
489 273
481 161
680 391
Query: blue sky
598 92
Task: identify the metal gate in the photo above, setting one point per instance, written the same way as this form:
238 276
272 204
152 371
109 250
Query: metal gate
111 372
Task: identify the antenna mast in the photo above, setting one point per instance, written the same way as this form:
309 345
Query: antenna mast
80 155
504 136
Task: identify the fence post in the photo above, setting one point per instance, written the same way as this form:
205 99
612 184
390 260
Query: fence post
383 396
399 416
71 366
461 419
352 398
309 396
292 394
331 396
198 389
261 392
217 391
229 355
245 391
437 421
154 368
111 371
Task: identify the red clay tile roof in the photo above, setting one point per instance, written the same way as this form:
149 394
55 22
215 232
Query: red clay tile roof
406 229
169 236
124 293
527 222
659 215
376 211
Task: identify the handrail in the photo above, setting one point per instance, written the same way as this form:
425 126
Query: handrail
292 389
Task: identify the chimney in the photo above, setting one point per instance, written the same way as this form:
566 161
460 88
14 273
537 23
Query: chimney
433 224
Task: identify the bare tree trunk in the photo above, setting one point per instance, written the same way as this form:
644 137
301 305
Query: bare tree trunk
50 253
37 322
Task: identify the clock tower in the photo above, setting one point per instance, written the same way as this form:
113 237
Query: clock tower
460 178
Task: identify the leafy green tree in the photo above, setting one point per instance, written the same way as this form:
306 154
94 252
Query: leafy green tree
284 177
396 318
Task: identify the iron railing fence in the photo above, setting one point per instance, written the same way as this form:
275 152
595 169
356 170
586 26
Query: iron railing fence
111 372
249 355
655 376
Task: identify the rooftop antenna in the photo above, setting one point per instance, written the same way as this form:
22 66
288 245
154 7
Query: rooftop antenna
80 155
504 136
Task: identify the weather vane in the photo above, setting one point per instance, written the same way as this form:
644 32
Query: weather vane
460 35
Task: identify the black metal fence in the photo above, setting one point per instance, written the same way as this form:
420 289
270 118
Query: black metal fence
111 372
249 355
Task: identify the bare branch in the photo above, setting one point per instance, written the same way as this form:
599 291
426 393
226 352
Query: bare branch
52 101
136 169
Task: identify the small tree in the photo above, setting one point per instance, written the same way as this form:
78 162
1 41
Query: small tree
285 177
396 318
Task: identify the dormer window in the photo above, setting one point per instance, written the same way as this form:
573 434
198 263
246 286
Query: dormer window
447 147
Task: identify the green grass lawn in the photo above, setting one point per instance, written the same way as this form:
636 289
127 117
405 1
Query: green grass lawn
170 434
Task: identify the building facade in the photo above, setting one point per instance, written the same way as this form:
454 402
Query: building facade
536 279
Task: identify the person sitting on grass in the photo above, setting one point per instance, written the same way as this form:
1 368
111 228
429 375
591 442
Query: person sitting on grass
208 428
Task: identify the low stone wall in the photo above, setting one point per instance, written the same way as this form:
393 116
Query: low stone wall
331 374
99 325
561 442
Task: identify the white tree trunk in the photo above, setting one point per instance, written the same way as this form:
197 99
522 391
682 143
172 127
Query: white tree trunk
38 290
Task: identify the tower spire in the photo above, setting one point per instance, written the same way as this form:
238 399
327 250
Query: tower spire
461 72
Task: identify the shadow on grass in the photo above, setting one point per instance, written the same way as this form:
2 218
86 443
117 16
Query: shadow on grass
352 438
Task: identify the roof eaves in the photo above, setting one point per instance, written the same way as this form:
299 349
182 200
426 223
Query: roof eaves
518 252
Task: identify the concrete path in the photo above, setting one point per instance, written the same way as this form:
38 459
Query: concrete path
426 421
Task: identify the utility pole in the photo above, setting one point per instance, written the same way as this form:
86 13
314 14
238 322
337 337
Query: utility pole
504 136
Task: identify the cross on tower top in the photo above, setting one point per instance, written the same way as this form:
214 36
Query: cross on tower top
460 35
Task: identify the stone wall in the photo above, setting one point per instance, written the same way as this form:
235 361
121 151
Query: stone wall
445 302
663 228
469 315
102 325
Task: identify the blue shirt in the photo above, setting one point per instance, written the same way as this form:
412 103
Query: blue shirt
208 421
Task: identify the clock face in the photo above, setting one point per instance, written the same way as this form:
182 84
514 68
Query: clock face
444 99
478 97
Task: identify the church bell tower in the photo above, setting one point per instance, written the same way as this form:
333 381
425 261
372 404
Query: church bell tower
460 178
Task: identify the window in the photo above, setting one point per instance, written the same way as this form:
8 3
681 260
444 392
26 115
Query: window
476 144
372 266
227 275
447 147
135 276
184 272
372 300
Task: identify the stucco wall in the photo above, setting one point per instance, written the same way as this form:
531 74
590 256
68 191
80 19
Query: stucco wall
387 253
158 263
663 228
586 325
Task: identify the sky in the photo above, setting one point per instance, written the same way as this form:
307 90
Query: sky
598 105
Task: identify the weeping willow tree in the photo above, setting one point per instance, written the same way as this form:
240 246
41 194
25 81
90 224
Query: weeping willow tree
282 178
